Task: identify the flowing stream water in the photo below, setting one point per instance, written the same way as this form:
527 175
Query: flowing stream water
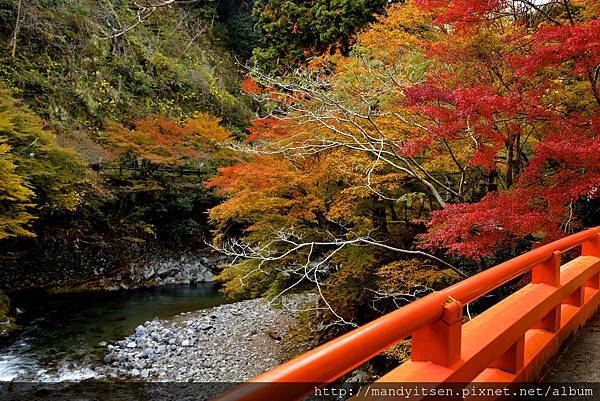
61 333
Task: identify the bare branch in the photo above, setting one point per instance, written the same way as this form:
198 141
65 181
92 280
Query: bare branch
324 119
145 10
399 298
305 261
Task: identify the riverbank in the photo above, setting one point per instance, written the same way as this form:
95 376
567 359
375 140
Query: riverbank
179 269
60 333
227 343
7 322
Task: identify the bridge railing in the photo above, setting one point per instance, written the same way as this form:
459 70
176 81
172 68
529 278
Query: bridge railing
511 341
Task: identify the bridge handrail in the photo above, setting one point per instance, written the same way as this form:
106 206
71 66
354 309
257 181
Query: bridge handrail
332 360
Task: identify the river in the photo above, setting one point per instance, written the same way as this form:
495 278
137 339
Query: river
61 333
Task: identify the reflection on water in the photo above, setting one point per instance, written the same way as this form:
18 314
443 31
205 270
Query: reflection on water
61 332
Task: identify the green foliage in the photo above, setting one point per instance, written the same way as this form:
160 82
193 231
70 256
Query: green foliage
7 323
140 217
36 172
237 24
74 76
292 31
171 211
255 283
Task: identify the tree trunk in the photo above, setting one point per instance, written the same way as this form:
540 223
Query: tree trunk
518 161
379 217
393 213
15 35
509 161
491 184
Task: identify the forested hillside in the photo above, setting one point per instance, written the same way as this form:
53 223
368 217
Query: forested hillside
75 76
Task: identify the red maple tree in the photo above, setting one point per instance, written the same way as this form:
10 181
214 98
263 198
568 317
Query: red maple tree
539 88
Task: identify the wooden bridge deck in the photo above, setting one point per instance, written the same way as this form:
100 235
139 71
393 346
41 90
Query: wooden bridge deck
579 361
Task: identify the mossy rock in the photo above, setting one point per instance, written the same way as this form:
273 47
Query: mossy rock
7 323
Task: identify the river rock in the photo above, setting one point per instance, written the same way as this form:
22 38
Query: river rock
165 270
149 272
140 331
228 343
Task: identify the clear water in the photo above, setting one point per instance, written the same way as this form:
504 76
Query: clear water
61 332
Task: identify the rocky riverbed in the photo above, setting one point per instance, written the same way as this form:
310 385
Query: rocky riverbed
228 343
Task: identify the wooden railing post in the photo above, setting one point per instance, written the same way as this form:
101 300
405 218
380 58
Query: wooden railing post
592 248
513 359
594 282
440 342
548 272
550 322
576 298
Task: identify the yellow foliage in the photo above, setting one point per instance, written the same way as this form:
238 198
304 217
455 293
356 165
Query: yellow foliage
403 28
35 172
404 275
14 197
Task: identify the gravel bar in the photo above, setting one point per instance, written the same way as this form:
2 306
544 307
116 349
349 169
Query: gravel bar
228 343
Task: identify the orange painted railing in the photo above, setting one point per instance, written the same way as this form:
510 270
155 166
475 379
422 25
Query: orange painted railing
509 342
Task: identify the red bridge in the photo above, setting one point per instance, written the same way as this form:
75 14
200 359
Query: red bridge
511 341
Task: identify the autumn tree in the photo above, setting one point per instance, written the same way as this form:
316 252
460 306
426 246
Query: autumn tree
14 197
172 142
38 176
535 82
479 119
290 225
463 112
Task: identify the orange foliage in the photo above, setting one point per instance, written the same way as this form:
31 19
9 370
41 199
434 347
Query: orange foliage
267 128
267 192
261 174
250 86
169 142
